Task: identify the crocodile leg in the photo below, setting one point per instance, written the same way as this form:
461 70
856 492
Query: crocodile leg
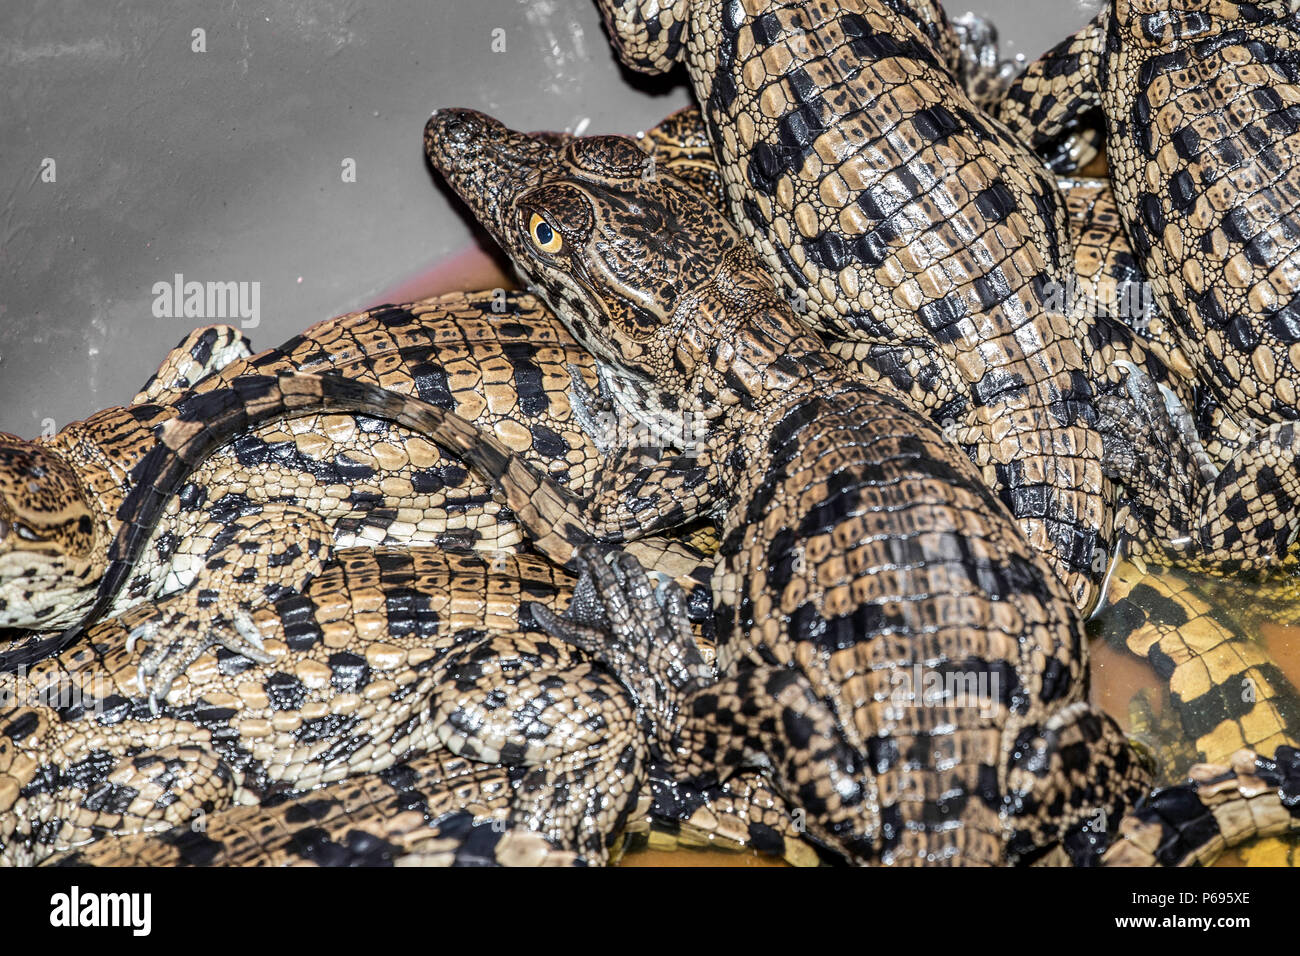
241 564
384 656
706 728
1243 517
1069 784
577 782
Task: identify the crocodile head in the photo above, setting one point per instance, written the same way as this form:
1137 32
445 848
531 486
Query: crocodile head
48 555
648 275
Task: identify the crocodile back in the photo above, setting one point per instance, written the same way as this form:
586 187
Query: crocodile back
924 242
1203 107
867 554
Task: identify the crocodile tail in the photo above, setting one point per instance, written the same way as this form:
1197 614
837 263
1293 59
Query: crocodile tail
1225 690
1217 808
205 421
464 819
1054 93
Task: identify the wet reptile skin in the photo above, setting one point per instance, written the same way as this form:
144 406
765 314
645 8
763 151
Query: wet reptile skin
922 237
1225 692
312 482
384 656
855 543
418 671
1200 105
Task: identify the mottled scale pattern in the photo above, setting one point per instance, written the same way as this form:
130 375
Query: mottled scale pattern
915 233
436 809
808 579
412 685
383 657
1220 682
856 547
1125 324
498 359
855 541
1195 99
109 513
1225 689
1202 110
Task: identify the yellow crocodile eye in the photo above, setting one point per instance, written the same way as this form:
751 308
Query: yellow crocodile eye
546 238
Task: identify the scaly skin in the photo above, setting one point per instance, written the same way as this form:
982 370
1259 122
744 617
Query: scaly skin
258 555
1173 627
924 240
503 369
433 810
310 483
414 678
855 544
383 657
1198 98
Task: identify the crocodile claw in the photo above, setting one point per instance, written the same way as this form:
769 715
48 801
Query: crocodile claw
162 662
593 409
639 629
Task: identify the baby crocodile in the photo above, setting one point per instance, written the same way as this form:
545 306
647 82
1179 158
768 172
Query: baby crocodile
924 240
417 674
1226 692
858 550
387 654
1201 107
77 511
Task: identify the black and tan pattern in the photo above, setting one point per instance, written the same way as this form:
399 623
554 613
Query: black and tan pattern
1224 693
1198 97
922 239
1200 104
103 515
497 358
410 710
384 656
1225 690
1123 331
190 431
855 543
433 810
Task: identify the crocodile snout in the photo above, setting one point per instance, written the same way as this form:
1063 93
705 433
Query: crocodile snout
485 162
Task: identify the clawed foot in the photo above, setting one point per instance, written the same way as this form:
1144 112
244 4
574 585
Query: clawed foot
175 640
618 617
593 409
987 75
1146 444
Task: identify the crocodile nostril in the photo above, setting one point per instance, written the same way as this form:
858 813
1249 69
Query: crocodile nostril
455 127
